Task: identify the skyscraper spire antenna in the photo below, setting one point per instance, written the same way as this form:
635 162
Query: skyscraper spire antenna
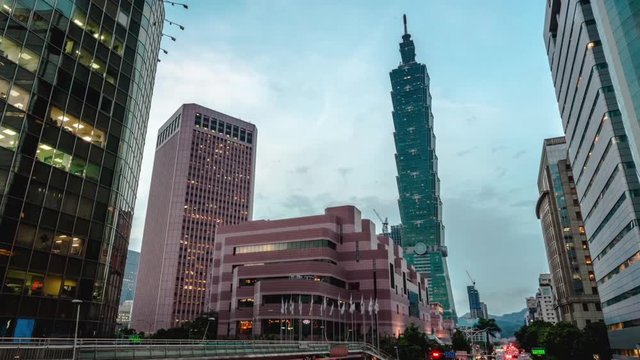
404 19
407 50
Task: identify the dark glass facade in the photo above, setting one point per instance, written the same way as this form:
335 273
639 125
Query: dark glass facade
418 182
76 78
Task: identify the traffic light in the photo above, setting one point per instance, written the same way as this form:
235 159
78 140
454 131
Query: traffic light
436 355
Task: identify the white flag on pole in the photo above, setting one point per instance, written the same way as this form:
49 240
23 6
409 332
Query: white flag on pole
370 306
331 310
352 305
376 307
291 305
311 306
300 304
282 306
361 304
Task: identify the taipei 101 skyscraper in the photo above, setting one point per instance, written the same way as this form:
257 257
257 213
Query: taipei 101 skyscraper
418 182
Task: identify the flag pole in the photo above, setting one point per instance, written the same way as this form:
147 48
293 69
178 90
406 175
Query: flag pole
372 338
333 325
339 319
300 320
377 308
311 315
280 321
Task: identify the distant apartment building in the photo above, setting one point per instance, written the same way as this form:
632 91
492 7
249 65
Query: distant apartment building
484 311
565 240
203 178
532 310
130 276
545 300
591 49
298 274
124 314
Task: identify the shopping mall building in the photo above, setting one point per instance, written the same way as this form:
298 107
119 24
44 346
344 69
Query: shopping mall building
317 277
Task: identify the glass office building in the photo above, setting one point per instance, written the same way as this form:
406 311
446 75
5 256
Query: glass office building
418 183
601 145
76 78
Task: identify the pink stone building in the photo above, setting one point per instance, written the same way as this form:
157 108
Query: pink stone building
203 177
296 266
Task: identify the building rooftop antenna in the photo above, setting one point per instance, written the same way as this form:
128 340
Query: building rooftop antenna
404 19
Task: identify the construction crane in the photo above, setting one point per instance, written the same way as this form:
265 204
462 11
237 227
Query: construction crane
385 223
472 281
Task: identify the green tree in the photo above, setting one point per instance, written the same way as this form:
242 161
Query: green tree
459 342
190 330
491 327
126 332
562 341
413 344
388 345
565 341
172 333
595 340
198 326
530 336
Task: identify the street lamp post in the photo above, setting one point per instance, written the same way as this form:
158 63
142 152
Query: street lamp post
397 353
209 320
75 335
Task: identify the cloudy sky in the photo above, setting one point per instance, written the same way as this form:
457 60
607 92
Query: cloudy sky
314 77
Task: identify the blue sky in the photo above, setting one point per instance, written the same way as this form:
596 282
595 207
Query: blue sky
314 77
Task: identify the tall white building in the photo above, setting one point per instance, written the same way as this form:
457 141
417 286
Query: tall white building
593 55
545 301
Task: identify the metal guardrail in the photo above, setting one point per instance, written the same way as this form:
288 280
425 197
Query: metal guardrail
58 349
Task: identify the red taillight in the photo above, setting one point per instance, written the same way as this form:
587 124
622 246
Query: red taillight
436 355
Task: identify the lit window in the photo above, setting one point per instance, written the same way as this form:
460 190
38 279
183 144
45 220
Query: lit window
79 17
34 284
8 138
75 165
77 127
15 95
67 245
6 6
15 53
123 19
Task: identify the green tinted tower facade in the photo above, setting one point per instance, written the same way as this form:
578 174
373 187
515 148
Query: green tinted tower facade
418 182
